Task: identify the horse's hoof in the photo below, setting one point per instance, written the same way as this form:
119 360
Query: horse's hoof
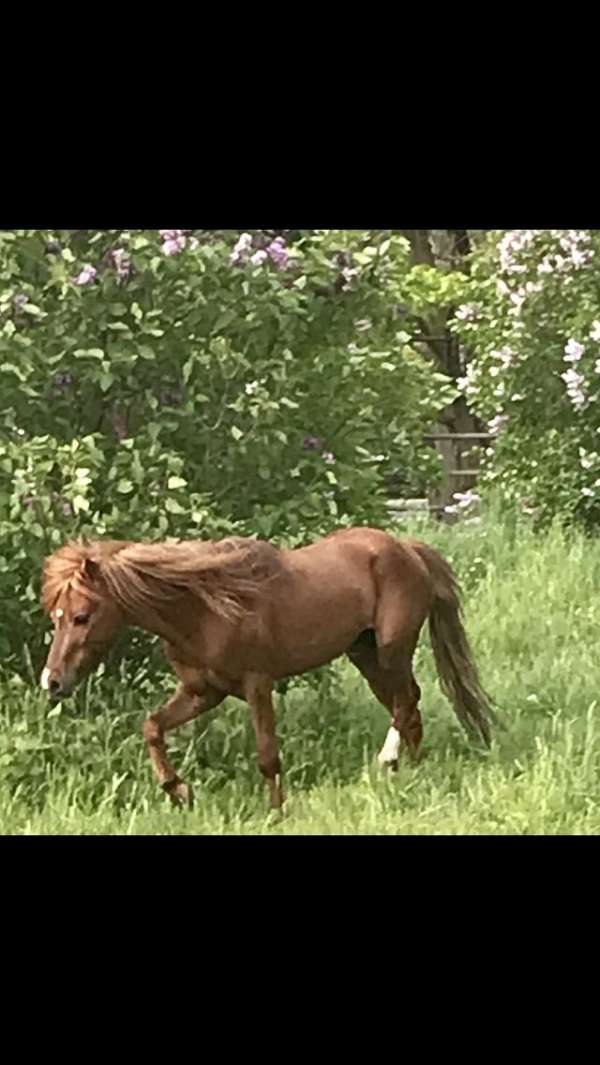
180 794
391 765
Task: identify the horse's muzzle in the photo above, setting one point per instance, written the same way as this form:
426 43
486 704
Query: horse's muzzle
55 686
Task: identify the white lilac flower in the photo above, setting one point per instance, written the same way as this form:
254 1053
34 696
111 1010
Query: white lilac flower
241 249
512 243
506 357
464 500
468 312
497 424
573 351
469 383
575 392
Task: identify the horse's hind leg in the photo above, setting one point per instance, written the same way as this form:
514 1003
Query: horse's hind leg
185 705
407 726
397 690
258 691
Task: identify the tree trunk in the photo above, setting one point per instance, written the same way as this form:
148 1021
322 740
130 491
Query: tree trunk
445 352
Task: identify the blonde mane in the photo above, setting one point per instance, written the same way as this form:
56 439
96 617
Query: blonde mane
224 575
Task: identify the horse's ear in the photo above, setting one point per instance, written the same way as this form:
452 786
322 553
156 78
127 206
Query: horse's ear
90 570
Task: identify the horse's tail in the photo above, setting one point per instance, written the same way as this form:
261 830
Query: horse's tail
459 678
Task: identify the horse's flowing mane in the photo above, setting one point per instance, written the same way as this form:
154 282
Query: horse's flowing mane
223 574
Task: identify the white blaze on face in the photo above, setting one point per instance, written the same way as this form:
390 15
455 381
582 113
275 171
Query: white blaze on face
391 747
45 679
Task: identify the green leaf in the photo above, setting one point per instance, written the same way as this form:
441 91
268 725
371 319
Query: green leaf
124 486
236 433
146 352
176 482
92 353
80 503
173 506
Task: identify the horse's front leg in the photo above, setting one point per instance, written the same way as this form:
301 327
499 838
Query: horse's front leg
258 692
185 705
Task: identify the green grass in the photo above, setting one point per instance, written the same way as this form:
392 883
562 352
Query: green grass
533 618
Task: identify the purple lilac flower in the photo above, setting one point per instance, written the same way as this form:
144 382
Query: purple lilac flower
174 240
312 443
88 274
20 300
174 246
279 253
259 258
329 457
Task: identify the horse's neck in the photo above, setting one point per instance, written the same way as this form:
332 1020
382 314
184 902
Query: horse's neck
166 625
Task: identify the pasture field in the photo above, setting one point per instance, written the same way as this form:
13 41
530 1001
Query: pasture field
532 611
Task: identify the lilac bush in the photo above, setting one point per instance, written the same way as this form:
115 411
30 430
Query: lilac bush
531 320
175 382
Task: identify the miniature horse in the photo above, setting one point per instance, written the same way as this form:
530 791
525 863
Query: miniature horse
238 614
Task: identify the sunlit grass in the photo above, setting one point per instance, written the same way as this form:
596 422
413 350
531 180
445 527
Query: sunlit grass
532 615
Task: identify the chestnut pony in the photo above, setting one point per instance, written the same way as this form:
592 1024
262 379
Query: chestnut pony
238 614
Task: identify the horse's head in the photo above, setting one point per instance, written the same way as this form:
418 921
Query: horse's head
85 623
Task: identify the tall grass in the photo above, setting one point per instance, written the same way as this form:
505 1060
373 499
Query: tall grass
531 606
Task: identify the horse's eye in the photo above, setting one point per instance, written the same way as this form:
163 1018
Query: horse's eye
81 619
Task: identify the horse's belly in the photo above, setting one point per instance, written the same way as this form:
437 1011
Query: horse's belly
313 629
